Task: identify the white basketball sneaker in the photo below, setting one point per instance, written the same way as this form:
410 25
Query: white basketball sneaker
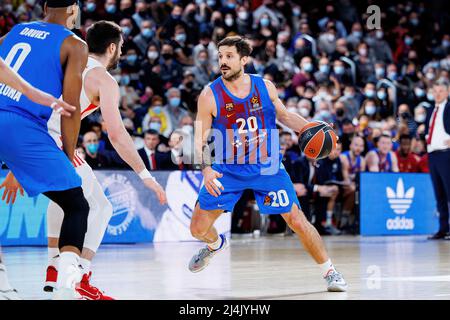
201 260
67 283
335 282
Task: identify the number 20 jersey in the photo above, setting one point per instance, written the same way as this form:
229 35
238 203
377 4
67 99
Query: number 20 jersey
245 134
33 51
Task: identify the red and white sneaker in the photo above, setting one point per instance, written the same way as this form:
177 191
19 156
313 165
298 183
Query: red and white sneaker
88 291
50 280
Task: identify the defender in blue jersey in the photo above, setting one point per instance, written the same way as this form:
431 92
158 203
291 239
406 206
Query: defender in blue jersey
51 58
242 109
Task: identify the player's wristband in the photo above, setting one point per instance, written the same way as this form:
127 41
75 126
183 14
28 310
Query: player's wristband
315 188
145 174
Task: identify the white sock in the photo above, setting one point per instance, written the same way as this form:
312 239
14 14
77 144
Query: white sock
217 244
329 218
68 271
326 267
85 265
4 283
53 256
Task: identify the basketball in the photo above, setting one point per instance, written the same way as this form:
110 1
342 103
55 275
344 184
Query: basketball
317 140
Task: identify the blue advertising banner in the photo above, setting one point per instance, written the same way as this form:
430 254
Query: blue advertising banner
137 215
397 204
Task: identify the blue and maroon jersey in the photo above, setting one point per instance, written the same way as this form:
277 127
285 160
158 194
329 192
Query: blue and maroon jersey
245 135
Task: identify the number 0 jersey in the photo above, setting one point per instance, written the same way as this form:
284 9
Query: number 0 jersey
33 51
245 133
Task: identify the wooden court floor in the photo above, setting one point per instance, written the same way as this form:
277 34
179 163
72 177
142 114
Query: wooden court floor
264 268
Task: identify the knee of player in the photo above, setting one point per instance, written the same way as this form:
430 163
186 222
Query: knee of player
197 231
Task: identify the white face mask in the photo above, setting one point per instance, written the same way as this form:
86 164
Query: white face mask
229 22
304 112
188 129
152 55
243 15
420 118
370 109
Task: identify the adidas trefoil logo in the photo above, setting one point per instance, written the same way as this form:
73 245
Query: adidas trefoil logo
400 200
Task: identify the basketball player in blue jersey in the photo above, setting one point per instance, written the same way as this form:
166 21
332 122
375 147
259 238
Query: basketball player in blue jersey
242 110
51 58
10 78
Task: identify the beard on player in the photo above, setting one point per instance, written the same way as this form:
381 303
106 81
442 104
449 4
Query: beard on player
114 62
230 74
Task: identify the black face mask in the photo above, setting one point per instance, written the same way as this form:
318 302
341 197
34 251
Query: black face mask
340 112
167 56
189 85
404 115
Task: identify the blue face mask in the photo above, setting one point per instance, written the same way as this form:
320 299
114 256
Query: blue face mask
357 34
155 126
324 68
308 67
125 80
131 59
174 102
381 95
176 16
408 41
92 148
231 5
369 93
392 75
339 70
211 3
126 30
111 9
181 37
90 7
379 72
157 109
265 22
147 33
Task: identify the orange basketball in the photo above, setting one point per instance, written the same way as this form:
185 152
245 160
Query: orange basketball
317 140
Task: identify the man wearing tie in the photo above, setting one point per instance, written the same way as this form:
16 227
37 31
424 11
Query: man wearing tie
152 157
438 147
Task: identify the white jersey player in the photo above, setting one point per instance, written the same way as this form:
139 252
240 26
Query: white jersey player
100 91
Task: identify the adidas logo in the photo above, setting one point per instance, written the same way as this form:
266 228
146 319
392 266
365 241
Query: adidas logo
399 200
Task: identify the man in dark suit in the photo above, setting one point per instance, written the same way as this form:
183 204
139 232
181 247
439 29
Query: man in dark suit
152 157
309 178
438 148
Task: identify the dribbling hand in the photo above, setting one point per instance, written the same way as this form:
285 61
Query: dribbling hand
211 183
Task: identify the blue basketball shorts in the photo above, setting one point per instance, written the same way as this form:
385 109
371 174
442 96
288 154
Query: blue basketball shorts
33 156
274 194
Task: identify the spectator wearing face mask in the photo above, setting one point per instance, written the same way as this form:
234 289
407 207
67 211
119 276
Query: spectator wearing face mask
323 73
205 43
146 35
171 70
265 28
175 18
340 73
267 9
90 11
176 108
189 91
99 159
379 46
141 13
304 108
128 31
364 64
202 69
158 118
351 100
356 36
244 20
327 40
370 109
181 47
111 12
304 77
